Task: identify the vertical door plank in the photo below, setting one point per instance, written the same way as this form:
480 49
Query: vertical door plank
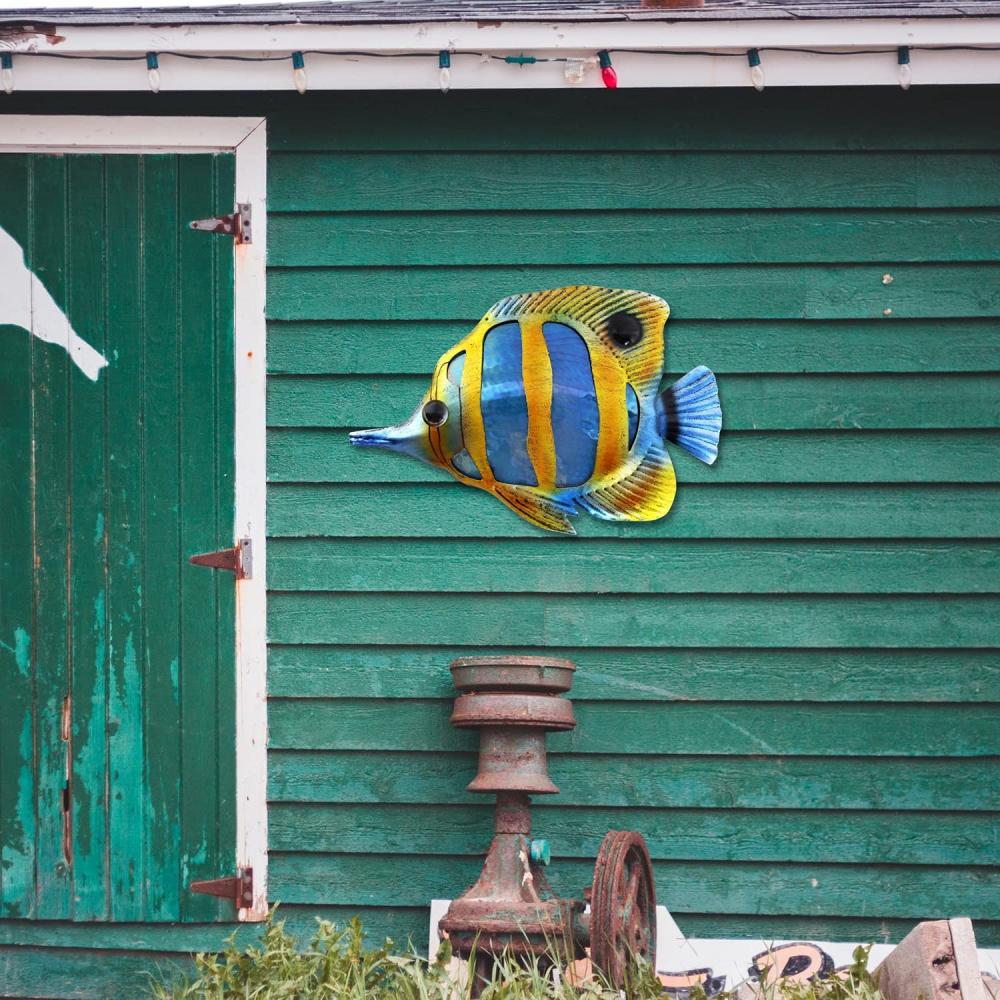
126 641
225 479
199 611
17 777
52 432
88 593
161 542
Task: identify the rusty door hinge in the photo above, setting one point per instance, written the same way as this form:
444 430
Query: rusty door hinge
238 225
238 887
238 559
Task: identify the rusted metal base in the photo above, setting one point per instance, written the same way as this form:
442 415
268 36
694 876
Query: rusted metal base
511 910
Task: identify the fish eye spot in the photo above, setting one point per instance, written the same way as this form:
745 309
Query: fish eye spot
435 413
625 329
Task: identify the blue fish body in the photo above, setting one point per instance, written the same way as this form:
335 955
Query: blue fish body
552 403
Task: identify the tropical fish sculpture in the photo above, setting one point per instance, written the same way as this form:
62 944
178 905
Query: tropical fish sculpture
553 404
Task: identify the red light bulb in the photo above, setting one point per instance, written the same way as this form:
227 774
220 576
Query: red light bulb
608 74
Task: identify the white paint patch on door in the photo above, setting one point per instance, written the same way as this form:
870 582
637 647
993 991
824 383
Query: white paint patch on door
26 302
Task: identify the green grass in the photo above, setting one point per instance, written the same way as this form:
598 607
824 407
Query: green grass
336 964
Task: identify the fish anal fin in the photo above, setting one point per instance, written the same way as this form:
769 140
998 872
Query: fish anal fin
646 494
535 508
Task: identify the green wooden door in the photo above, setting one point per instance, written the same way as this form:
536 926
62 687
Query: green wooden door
117 751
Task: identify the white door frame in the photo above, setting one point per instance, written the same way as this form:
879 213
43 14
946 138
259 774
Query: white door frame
247 139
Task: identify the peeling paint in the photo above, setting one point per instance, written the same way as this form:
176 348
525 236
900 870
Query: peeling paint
193 860
17 829
27 303
21 650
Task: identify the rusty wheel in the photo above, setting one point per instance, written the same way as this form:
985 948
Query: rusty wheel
622 905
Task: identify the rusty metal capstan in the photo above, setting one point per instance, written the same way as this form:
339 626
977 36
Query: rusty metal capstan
514 702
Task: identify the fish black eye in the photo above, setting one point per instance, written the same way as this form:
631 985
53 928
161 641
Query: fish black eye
625 329
435 413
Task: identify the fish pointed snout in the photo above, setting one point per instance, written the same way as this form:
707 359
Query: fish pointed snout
377 437
409 438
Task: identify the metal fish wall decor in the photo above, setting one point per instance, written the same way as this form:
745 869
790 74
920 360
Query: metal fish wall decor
553 404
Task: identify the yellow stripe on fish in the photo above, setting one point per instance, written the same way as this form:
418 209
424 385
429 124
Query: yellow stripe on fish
537 377
612 443
473 430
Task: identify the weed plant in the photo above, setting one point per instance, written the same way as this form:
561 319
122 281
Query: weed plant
335 965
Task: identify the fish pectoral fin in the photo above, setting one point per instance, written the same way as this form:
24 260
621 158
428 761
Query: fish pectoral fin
644 495
535 508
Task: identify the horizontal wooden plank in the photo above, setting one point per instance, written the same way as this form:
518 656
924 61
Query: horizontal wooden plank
722 119
317 456
701 510
749 402
184 938
83 973
675 780
551 179
627 566
675 834
905 345
842 730
737 291
636 620
645 237
698 887
815 675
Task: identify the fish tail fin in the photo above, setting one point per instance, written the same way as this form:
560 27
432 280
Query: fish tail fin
694 414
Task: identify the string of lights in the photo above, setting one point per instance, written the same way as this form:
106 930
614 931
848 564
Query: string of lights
574 65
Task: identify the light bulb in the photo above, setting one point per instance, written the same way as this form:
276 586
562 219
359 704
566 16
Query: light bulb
903 72
153 71
444 70
608 74
299 72
756 70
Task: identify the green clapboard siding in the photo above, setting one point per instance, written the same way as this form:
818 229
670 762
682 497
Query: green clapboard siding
116 725
790 683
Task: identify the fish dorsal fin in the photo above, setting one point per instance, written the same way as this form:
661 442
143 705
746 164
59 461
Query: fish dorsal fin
589 309
535 508
646 494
